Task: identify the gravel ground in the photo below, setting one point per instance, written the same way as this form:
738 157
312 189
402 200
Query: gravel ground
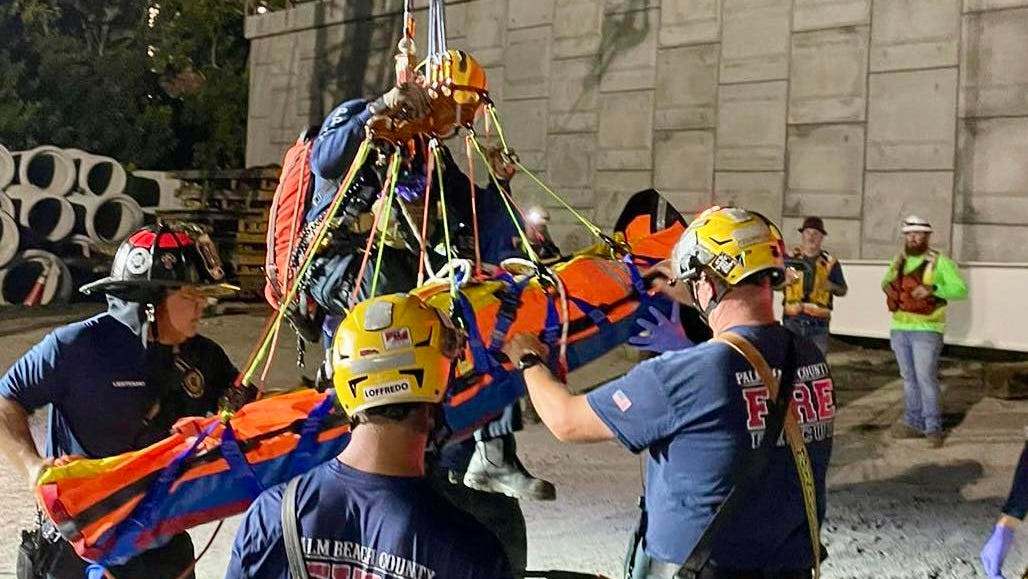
897 509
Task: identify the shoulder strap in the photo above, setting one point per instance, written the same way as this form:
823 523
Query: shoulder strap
291 531
792 429
777 420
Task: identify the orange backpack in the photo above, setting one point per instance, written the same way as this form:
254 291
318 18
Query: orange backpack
286 218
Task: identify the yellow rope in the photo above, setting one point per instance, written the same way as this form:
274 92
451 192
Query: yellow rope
446 222
394 172
510 210
351 174
593 228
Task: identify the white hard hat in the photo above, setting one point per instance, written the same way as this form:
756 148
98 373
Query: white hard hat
915 224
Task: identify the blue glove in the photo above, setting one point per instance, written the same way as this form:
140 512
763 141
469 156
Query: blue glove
995 551
666 335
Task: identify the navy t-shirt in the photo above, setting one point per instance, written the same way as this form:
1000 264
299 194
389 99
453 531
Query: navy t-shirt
109 394
698 413
357 524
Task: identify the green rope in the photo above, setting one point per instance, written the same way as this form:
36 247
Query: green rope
595 230
394 172
510 210
351 174
446 221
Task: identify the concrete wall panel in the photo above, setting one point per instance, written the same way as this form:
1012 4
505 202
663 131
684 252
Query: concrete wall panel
628 58
751 127
994 71
527 63
574 88
893 196
992 186
689 22
914 34
486 30
765 102
525 14
570 161
977 5
825 171
828 77
683 167
527 133
755 40
613 189
625 137
911 120
843 240
820 14
686 93
760 192
990 243
576 28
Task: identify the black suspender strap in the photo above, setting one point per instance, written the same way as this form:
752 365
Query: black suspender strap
291 531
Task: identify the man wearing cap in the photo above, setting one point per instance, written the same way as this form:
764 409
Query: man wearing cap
813 279
119 380
918 285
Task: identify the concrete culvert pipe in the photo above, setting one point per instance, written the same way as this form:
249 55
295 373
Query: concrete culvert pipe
100 175
7 204
10 238
7 167
106 219
47 168
21 274
49 216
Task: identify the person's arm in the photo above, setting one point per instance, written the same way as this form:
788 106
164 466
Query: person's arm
16 440
569 417
340 136
949 285
891 273
27 385
836 282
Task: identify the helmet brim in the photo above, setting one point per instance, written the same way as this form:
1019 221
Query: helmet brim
130 289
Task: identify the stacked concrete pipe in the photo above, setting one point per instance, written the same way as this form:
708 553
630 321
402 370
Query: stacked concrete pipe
63 200
21 274
48 216
7 167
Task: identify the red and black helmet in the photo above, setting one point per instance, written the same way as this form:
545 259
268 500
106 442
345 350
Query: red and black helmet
164 257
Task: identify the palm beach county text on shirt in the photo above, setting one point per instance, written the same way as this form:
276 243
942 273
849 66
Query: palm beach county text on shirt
813 402
334 559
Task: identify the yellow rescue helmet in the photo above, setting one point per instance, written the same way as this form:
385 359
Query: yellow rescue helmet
733 243
393 349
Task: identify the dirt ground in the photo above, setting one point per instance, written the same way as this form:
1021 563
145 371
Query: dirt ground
897 509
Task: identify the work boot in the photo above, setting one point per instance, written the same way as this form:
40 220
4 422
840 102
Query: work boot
495 468
904 431
935 439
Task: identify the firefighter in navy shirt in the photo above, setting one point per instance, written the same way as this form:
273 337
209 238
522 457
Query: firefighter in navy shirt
117 382
699 414
371 512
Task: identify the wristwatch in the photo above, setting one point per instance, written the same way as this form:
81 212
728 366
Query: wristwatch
529 359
